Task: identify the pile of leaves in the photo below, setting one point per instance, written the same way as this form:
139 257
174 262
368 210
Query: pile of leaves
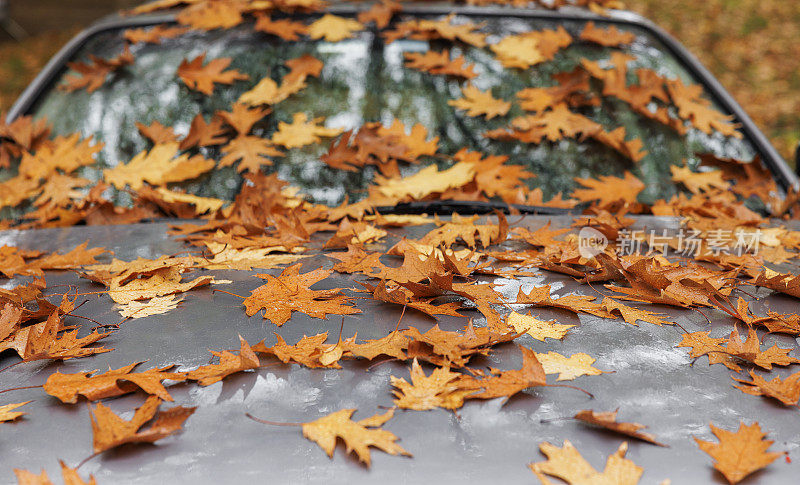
270 225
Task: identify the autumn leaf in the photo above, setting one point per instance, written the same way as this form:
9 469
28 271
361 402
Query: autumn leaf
229 363
568 368
251 152
740 453
499 383
750 350
116 382
610 190
43 342
477 103
70 476
608 420
357 435
302 132
92 75
212 15
538 329
522 51
309 351
698 182
567 464
157 133
414 139
7 412
291 291
381 13
427 181
439 63
786 390
160 166
201 204
153 35
201 78
333 28
440 389
698 110
110 431
161 282
425 29
540 296
632 315
267 91
203 134
609 37
286 29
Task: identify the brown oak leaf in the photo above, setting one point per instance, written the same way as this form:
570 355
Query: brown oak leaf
112 383
110 431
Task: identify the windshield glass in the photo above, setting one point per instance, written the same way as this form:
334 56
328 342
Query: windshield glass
365 79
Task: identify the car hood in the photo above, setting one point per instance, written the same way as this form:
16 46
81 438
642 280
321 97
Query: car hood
645 376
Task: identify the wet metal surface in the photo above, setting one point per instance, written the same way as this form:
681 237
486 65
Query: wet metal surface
648 379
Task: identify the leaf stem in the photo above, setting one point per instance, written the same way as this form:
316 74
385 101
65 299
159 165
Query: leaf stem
229 293
19 388
591 396
86 459
12 365
273 423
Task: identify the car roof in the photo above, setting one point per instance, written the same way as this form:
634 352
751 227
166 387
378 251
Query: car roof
644 375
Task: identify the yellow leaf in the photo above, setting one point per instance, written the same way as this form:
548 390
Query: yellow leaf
159 166
440 389
7 413
155 306
333 28
356 434
427 181
568 368
739 454
202 204
302 132
567 464
538 329
477 103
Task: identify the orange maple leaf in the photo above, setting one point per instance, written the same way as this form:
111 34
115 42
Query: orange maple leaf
291 291
201 78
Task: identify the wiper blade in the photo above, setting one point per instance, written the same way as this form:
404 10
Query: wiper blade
447 207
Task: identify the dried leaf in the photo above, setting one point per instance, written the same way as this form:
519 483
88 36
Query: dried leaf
568 465
568 368
538 329
290 292
440 389
7 412
201 78
477 103
116 382
739 453
110 431
333 28
357 435
608 420
229 363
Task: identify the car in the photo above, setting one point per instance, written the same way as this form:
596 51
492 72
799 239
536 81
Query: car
477 195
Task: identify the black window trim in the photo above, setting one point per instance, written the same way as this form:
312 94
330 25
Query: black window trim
781 171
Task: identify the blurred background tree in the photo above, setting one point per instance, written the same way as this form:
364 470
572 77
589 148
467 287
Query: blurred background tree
752 46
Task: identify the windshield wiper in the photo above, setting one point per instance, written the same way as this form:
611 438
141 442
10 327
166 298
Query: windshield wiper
447 207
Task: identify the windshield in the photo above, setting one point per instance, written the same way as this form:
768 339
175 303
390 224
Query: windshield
364 80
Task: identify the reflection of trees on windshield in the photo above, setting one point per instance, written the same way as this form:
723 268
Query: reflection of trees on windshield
364 80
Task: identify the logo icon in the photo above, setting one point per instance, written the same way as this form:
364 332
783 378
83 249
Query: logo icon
591 242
